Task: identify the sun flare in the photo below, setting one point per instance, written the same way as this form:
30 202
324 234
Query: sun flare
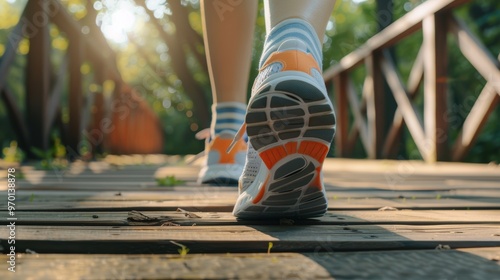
118 21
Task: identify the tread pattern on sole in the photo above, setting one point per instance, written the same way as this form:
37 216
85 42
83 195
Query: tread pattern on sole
295 119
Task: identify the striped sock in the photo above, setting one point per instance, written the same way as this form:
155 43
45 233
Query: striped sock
227 117
294 28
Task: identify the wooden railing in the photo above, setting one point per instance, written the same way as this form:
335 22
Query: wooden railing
430 134
93 116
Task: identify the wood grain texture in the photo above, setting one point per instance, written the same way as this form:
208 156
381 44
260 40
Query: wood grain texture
173 218
234 239
71 212
226 205
474 263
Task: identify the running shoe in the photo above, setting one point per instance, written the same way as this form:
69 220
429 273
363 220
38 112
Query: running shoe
223 168
290 125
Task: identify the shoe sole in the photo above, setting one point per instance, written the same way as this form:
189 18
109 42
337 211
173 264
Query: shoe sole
291 124
220 175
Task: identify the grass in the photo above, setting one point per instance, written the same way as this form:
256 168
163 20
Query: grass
169 181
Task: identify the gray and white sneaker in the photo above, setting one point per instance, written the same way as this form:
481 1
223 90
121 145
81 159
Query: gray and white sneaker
290 124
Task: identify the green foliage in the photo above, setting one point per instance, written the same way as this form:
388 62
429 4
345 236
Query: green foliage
13 153
269 247
183 251
53 158
169 181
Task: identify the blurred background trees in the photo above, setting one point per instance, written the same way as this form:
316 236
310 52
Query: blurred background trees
159 51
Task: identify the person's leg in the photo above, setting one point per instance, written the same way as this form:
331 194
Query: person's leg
228 28
290 119
316 13
228 32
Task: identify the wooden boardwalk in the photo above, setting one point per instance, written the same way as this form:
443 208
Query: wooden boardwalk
386 220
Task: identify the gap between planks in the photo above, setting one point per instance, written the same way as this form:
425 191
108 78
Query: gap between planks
249 239
154 218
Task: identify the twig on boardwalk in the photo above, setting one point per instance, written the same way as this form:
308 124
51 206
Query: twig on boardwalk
136 216
187 213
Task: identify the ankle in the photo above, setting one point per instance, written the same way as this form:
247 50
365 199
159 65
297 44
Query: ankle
227 117
293 29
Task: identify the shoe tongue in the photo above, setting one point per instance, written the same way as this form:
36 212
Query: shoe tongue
293 44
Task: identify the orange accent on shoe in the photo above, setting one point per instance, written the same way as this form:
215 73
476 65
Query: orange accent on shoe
293 60
291 147
317 180
220 145
314 149
262 191
271 156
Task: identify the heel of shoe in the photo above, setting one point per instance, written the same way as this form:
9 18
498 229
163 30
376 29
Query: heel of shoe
291 125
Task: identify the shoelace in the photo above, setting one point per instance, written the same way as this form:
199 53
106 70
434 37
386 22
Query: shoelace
203 134
237 137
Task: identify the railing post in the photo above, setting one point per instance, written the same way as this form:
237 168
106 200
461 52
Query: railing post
38 76
435 87
75 93
375 105
342 115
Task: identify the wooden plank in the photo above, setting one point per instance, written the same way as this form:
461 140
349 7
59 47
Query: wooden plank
487 101
405 184
209 193
173 194
476 53
339 175
358 117
230 193
226 205
375 105
416 74
335 166
414 81
415 167
343 182
491 253
352 138
354 133
435 87
476 263
473 263
236 239
342 115
409 113
155 218
476 192
403 27
191 266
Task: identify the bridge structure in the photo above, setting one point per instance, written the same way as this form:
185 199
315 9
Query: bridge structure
366 117
146 216
361 116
